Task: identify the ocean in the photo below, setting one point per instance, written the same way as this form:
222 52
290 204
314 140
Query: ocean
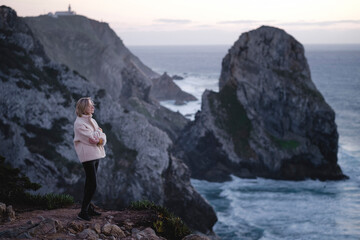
251 209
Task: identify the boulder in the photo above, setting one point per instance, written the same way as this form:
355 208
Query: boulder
146 234
2 210
96 227
268 119
177 77
75 226
46 226
7 213
10 213
112 230
88 234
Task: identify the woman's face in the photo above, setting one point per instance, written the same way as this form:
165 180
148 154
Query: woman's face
90 108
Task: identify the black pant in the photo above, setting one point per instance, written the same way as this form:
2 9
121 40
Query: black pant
90 168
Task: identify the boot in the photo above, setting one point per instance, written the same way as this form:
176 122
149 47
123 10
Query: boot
83 215
92 211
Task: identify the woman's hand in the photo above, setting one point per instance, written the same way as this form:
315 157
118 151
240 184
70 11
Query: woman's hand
93 141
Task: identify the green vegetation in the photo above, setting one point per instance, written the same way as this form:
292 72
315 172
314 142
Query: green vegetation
167 224
231 117
11 56
285 144
14 187
50 200
51 72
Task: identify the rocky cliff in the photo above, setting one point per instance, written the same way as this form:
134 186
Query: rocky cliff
94 50
267 120
37 100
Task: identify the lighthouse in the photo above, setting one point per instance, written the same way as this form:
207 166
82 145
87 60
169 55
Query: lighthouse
63 13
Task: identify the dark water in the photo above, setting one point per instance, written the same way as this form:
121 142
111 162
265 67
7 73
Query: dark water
268 209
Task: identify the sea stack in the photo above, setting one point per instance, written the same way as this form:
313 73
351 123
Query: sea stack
164 88
268 119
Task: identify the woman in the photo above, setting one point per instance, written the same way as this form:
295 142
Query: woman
89 144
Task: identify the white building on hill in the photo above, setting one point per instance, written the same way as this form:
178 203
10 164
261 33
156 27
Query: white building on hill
63 13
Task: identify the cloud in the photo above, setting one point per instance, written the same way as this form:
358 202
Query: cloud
297 23
173 21
245 22
321 23
174 36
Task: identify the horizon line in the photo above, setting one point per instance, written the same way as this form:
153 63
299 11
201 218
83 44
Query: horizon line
223 44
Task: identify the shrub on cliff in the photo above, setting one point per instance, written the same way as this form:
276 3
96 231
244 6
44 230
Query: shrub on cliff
14 187
167 224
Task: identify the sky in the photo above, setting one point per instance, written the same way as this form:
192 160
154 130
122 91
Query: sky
209 22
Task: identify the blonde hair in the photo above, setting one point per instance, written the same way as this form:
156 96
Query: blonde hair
81 105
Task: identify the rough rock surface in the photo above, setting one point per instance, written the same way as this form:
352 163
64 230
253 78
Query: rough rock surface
164 88
93 50
267 120
7 214
63 224
37 100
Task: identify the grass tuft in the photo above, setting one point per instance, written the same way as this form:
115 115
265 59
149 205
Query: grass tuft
50 200
285 144
231 116
14 187
167 224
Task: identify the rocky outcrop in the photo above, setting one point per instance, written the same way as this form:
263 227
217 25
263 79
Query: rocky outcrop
37 101
267 120
177 174
177 77
164 88
62 224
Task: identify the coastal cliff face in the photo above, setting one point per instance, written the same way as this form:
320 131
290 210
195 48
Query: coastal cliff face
94 50
267 120
37 100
